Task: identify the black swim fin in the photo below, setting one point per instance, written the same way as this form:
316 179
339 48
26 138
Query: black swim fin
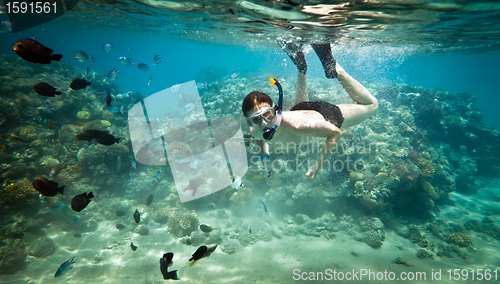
324 52
296 54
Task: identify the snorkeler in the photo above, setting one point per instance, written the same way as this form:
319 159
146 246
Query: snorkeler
274 128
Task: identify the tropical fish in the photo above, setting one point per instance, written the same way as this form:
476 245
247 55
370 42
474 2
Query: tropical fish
149 81
134 248
158 175
205 228
86 72
76 235
143 67
156 59
48 107
3 121
81 124
120 213
165 263
215 164
189 107
201 252
236 182
193 163
57 169
203 85
5 25
33 51
107 46
57 206
46 90
47 122
67 265
79 202
76 169
175 88
234 75
120 227
47 187
112 74
17 139
80 56
250 228
92 59
108 99
90 134
125 60
79 84
104 93
134 164
264 207
137 216
257 177
107 139
149 200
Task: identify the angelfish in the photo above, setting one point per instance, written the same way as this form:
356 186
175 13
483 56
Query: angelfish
67 265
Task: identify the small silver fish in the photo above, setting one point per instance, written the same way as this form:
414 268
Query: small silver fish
107 46
112 74
175 88
156 59
67 265
143 67
125 60
80 56
234 75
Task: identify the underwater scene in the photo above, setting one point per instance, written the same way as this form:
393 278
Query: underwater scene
249 141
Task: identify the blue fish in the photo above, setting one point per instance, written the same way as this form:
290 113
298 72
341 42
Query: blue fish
113 74
67 265
58 206
263 206
203 85
125 60
104 93
92 59
134 164
150 78
234 75
143 67
156 59
49 108
112 109
249 228
107 46
158 175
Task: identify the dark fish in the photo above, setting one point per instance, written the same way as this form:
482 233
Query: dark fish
165 263
17 139
264 207
33 51
205 228
194 184
250 228
107 139
79 202
156 59
137 216
47 187
149 200
143 67
202 252
134 248
120 226
109 98
67 265
46 90
92 59
79 84
77 235
120 213
57 169
90 134
47 122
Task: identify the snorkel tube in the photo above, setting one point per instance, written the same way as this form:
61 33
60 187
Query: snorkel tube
269 132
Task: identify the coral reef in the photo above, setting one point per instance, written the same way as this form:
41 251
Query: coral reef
241 197
83 115
19 195
12 256
182 222
459 239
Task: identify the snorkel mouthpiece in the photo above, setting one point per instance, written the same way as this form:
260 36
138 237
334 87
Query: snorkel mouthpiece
269 132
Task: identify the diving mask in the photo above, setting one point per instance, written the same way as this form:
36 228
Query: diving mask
262 117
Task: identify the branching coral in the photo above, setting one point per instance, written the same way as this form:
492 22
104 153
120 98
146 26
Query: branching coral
459 239
428 168
241 197
19 195
182 222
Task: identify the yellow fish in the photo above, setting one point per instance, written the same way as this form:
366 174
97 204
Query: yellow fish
77 169
257 177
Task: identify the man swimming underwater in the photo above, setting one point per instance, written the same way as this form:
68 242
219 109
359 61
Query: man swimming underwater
273 127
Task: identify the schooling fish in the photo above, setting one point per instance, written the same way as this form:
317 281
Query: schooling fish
47 187
143 67
90 134
79 84
107 139
46 90
92 59
236 182
47 107
264 207
80 56
67 265
149 81
79 202
234 75
107 46
137 216
156 59
33 51
149 200
112 74
57 169
165 263
205 228
134 164
134 248
202 252
125 60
